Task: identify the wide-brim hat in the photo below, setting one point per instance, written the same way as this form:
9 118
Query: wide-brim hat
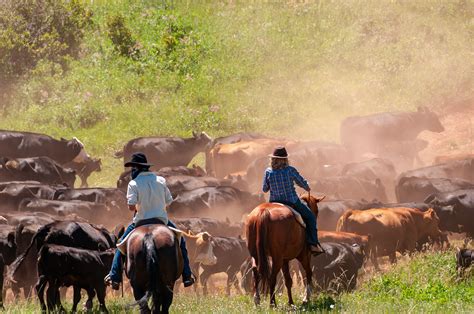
279 152
138 159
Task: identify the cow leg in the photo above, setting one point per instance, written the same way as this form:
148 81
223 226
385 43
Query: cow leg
53 298
373 258
101 293
234 280
90 298
305 260
204 277
288 281
276 267
40 287
256 280
76 298
195 271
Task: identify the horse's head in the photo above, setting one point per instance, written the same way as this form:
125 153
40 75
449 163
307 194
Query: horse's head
313 202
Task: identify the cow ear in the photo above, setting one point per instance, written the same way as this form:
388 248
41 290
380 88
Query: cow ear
205 236
195 134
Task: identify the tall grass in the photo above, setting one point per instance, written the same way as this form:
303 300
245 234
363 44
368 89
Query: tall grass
426 283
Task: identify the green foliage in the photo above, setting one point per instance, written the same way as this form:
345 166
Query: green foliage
428 282
121 37
35 30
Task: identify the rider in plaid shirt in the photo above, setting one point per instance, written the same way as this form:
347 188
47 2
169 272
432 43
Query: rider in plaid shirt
279 180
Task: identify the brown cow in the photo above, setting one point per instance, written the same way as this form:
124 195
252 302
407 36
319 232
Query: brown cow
392 230
230 158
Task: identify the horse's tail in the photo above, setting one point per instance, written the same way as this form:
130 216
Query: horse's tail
263 266
342 222
40 234
151 258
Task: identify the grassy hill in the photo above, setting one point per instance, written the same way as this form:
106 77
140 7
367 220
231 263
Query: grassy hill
290 69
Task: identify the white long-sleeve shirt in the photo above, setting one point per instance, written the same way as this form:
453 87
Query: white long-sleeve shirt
151 196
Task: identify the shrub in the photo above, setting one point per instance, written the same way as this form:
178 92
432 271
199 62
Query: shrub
121 37
33 30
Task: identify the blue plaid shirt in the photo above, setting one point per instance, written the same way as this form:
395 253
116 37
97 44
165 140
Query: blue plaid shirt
280 183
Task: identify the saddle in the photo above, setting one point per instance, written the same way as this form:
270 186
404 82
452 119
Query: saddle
297 215
122 245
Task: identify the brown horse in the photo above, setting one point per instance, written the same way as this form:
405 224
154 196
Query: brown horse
272 231
154 263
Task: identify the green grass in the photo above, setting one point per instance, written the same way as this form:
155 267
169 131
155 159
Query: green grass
426 283
290 69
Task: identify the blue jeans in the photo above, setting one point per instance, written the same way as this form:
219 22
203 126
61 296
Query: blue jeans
116 271
309 219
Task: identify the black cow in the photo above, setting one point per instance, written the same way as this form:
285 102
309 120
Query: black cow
26 144
376 168
349 187
68 233
464 259
218 202
213 226
67 266
231 253
7 252
337 269
457 169
362 134
165 172
455 210
180 183
41 169
85 168
167 151
414 189
404 154
12 194
88 210
114 199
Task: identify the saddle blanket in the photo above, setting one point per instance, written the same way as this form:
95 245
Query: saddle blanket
297 215
122 245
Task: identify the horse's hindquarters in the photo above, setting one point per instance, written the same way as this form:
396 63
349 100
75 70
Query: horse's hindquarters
154 262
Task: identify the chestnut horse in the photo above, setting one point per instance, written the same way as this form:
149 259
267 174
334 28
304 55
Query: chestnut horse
272 231
154 263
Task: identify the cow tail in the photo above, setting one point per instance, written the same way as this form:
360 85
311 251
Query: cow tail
263 266
342 222
41 234
151 258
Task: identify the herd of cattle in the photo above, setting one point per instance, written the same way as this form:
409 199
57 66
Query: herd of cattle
380 200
